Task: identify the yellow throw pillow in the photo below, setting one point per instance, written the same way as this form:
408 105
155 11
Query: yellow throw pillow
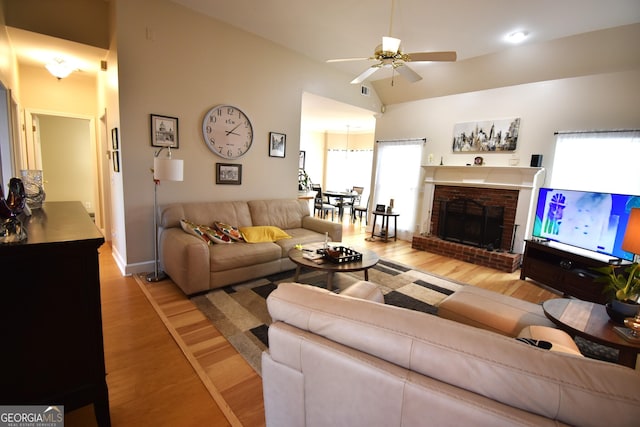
263 233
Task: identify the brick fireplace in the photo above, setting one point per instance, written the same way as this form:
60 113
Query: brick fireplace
513 188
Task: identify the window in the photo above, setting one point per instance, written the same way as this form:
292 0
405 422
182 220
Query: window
397 177
346 168
602 161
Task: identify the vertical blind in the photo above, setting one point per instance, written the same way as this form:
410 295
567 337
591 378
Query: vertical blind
397 178
602 161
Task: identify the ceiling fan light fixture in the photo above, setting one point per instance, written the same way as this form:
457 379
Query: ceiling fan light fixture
390 44
59 68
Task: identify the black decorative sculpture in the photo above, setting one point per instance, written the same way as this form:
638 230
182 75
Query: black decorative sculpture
11 229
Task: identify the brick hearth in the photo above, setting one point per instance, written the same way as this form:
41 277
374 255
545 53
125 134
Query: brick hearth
503 261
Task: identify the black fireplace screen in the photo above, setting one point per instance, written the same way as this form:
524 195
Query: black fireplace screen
466 221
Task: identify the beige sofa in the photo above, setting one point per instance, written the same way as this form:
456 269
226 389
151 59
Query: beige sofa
343 361
196 266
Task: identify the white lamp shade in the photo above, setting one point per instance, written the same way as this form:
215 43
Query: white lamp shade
166 169
631 241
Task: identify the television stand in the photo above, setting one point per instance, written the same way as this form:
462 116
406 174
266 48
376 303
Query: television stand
568 272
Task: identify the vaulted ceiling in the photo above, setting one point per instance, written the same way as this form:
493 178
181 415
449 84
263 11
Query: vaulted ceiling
329 29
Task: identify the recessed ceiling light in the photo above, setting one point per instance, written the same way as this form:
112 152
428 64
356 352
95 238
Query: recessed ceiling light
517 36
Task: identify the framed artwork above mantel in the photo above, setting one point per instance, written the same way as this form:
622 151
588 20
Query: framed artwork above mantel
486 136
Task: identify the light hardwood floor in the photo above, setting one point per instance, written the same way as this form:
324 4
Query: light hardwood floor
151 381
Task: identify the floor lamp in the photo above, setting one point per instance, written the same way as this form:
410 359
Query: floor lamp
164 169
631 241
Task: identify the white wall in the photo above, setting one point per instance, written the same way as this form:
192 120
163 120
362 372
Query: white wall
67 160
604 101
175 62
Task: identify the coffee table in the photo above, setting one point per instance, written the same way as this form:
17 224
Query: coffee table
369 259
590 321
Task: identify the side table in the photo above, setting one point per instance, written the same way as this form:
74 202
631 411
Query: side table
384 228
590 321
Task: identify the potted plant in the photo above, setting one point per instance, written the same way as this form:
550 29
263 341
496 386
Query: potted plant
304 181
624 288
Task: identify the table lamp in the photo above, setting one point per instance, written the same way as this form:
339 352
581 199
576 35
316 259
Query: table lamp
164 169
631 240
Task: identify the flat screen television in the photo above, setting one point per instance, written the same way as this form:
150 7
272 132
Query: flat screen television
589 220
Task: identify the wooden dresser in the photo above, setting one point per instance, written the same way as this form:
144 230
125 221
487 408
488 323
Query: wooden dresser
50 313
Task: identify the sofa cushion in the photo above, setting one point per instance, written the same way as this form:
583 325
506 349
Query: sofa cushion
299 236
242 254
285 214
364 290
236 213
263 233
492 311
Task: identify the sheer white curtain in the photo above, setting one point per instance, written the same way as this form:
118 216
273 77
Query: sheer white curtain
597 161
397 178
346 168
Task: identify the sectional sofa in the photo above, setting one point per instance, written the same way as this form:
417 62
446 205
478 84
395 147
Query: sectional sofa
197 260
351 361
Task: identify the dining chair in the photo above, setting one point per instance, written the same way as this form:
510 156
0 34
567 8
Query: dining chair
360 210
320 204
355 201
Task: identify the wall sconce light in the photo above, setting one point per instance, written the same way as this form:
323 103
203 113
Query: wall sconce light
59 68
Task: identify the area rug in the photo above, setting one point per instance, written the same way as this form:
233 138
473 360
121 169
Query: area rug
240 313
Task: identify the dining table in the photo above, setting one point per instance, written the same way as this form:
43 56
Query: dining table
341 196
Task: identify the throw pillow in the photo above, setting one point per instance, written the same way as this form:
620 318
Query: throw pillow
546 345
216 235
229 230
193 229
263 233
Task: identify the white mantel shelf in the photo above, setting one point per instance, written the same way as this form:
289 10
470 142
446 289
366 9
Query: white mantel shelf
504 177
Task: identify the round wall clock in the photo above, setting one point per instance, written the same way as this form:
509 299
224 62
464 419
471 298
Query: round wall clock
227 131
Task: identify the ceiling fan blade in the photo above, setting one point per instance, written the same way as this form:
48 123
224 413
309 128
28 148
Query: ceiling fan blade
433 56
362 77
346 59
408 73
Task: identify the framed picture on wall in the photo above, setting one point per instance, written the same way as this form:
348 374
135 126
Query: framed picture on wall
115 157
277 144
486 136
228 173
303 154
164 131
115 144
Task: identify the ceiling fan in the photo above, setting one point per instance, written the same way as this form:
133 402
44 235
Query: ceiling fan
390 55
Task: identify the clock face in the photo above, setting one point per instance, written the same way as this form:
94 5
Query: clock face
227 131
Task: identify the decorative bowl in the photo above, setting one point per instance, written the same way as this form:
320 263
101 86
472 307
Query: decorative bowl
633 323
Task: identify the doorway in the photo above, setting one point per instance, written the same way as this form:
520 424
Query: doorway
64 148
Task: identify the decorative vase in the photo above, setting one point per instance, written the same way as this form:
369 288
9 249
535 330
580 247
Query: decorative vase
32 181
619 310
11 229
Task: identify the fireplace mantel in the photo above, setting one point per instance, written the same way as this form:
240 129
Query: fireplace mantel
506 177
526 180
